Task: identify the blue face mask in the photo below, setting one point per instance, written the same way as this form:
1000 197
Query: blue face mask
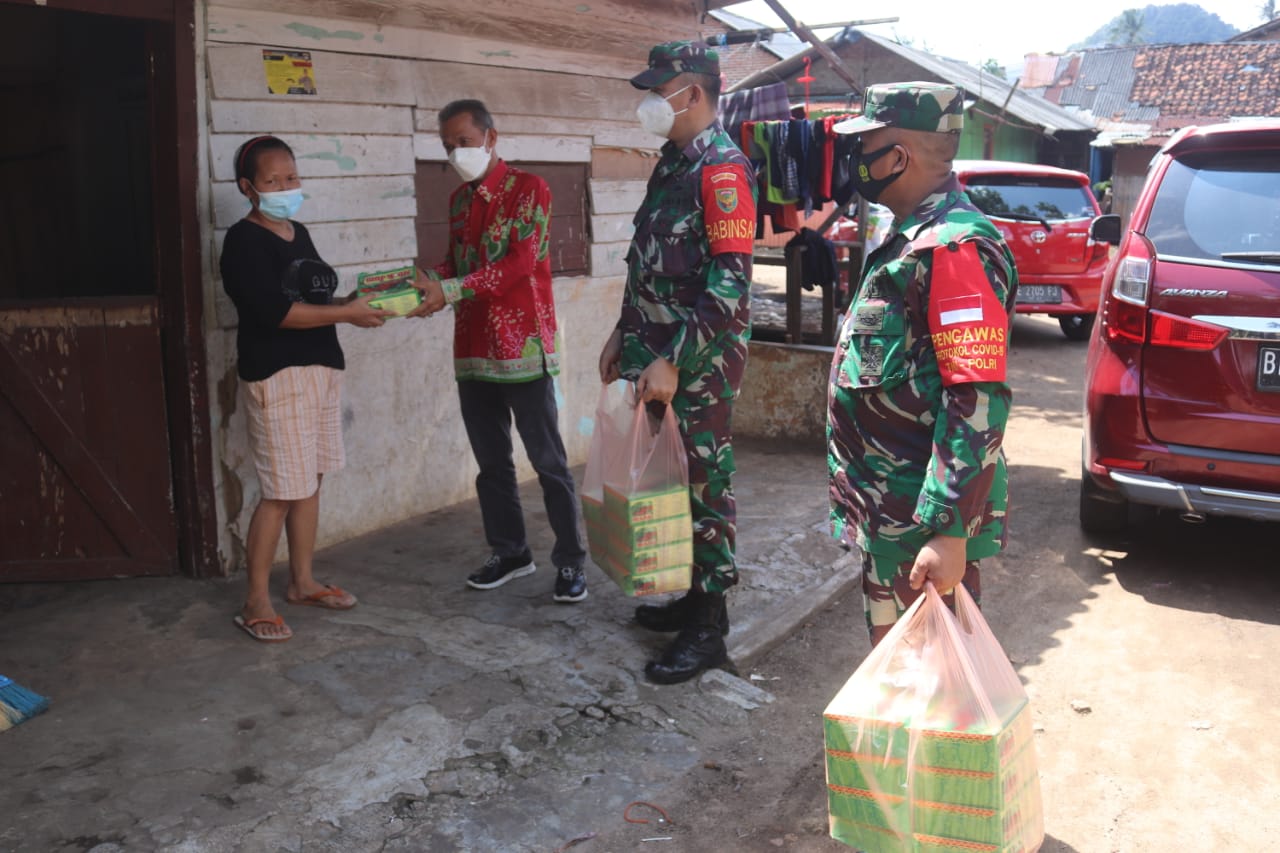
280 206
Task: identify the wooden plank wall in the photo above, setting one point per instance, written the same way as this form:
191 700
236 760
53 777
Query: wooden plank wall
379 89
559 93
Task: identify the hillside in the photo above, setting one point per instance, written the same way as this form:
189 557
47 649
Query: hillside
1182 23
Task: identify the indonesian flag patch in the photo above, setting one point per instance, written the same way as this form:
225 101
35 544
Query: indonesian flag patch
967 322
728 209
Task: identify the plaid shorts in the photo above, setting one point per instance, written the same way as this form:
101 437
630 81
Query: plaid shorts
295 429
887 592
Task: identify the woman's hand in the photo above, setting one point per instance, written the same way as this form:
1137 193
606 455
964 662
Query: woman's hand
611 358
358 312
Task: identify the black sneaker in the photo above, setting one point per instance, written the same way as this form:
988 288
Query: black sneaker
498 570
571 585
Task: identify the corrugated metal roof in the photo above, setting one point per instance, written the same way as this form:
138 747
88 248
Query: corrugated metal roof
1103 86
976 83
979 84
781 45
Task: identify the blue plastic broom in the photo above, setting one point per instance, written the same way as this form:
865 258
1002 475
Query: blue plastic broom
18 704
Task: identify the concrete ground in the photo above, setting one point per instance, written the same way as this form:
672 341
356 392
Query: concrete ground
430 718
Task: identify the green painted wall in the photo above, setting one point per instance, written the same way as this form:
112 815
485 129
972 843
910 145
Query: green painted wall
1011 142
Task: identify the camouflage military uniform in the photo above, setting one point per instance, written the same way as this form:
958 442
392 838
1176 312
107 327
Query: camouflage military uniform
686 300
914 443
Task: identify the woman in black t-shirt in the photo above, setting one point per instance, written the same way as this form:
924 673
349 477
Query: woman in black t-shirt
290 367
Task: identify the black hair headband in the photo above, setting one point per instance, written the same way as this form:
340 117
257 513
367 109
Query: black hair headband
244 149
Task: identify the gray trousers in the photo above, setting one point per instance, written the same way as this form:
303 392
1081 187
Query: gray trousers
488 410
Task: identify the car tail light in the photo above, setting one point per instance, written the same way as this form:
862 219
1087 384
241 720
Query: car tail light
1128 318
1126 314
1122 464
1170 330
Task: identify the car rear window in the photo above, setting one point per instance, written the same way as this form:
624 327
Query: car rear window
1217 202
1048 198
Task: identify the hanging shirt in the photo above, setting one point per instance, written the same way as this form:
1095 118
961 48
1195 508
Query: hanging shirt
497 277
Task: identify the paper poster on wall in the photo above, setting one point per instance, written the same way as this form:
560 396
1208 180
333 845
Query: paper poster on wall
289 72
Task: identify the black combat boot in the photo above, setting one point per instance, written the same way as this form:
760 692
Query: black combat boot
673 615
699 645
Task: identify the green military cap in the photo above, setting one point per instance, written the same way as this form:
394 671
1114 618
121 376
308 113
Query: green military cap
674 58
935 107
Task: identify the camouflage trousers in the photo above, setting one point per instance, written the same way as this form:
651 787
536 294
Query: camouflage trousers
887 592
707 433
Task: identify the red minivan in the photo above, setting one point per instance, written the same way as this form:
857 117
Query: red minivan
1182 384
1044 214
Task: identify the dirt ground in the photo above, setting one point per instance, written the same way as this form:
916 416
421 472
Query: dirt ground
1149 661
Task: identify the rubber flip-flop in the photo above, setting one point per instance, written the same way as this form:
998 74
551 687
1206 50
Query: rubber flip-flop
330 598
250 627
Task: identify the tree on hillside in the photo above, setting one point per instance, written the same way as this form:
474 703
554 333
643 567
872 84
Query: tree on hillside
1128 28
1180 23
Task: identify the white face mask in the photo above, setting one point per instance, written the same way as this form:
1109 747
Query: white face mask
470 163
655 113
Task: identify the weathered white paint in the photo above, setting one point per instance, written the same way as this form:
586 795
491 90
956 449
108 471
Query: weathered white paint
632 137
512 91
325 156
292 116
273 29
616 196
609 258
236 72
331 200
626 133
612 228
517 148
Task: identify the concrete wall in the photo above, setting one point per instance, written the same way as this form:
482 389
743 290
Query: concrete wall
358 142
784 394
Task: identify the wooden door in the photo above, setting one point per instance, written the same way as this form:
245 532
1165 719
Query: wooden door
91 270
86 483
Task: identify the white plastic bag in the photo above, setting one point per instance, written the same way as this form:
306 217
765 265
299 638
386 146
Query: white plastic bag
930 744
635 496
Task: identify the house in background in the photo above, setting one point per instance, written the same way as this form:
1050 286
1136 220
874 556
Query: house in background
1270 31
1001 122
1138 96
742 60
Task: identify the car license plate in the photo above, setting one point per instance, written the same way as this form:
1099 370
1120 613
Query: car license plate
1040 293
1268 368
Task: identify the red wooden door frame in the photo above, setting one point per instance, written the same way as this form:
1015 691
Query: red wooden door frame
179 267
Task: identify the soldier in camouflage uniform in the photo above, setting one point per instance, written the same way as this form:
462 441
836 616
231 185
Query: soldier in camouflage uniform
682 335
918 398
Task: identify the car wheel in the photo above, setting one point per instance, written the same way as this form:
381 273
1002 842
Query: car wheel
1076 326
1101 511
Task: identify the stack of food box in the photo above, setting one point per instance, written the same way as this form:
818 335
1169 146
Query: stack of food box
643 541
391 290
935 783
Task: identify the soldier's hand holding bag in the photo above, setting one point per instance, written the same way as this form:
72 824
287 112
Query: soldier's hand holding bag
635 495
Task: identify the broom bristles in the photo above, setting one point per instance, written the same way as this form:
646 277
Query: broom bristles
18 704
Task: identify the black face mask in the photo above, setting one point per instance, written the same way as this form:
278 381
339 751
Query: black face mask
868 187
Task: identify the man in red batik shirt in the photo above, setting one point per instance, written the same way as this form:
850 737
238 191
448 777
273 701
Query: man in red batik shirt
497 277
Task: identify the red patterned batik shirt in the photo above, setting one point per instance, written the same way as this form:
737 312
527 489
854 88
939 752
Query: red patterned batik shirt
497 277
